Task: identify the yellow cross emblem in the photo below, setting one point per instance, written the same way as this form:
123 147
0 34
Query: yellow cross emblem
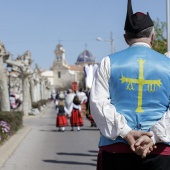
141 82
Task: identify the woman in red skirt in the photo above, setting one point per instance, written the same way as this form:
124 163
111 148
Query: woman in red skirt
76 119
61 120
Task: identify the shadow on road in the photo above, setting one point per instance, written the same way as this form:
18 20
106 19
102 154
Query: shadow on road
69 162
75 162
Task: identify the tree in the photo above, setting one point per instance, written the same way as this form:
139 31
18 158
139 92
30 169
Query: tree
160 42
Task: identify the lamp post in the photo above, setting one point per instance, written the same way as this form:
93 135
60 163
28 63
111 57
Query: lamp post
111 42
168 24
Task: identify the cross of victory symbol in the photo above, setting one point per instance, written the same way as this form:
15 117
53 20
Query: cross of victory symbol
141 82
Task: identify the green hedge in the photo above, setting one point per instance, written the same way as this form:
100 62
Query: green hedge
13 118
39 104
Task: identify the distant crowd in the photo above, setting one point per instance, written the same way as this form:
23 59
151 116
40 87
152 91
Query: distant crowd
72 106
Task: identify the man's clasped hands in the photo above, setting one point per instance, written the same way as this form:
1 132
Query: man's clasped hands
140 142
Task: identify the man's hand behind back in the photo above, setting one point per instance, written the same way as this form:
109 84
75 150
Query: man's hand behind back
140 142
144 146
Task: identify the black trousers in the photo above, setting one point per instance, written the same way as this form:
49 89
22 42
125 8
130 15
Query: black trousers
123 161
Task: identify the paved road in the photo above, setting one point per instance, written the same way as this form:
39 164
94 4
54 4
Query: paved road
44 148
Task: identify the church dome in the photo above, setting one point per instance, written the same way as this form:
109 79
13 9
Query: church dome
85 57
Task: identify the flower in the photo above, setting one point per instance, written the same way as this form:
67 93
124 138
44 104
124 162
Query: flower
4 131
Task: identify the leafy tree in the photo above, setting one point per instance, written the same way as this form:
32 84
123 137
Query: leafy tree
160 42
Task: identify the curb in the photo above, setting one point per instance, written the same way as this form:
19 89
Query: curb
10 145
8 148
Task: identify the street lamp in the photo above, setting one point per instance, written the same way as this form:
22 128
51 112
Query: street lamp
168 24
111 42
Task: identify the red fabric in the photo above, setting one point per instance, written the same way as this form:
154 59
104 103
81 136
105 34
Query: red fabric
90 118
76 118
61 121
83 109
162 149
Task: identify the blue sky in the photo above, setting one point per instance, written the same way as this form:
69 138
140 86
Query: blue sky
39 25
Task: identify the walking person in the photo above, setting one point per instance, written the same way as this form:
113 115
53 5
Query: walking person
76 119
88 112
61 110
68 101
53 96
56 100
129 102
83 99
82 96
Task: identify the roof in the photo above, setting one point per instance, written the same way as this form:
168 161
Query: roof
76 67
85 56
47 73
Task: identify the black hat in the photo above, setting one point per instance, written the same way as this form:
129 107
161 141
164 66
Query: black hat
138 21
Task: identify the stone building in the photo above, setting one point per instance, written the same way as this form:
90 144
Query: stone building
62 75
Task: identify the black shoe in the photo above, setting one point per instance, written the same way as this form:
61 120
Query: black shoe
93 125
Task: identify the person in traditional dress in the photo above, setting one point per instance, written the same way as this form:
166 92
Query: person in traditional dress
83 100
88 111
129 101
76 119
61 119
82 96
69 100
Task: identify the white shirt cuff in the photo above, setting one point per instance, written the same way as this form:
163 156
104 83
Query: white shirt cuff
124 131
154 138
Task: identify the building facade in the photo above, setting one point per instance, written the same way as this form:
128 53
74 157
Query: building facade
62 75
